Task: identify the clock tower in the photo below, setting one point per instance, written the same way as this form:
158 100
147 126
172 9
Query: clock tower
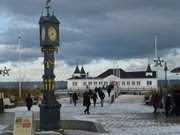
49 42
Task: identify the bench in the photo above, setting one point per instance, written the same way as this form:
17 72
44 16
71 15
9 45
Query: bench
8 103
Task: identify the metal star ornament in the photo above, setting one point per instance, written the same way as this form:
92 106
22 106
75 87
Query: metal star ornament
158 62
4 71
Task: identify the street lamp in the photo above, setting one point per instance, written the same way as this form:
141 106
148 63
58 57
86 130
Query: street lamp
19 49
165 71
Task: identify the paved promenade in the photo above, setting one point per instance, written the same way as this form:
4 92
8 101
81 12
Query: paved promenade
130 118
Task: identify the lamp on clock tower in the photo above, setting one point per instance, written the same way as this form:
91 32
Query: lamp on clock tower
49 42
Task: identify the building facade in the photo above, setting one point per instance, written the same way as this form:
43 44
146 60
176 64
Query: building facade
137 81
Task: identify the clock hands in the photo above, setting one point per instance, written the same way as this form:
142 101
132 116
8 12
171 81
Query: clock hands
52 33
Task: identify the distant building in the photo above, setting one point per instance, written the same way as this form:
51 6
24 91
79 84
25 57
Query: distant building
137 81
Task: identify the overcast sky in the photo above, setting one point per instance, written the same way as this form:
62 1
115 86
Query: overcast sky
93 32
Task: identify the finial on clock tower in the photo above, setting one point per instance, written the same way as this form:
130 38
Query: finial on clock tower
47 6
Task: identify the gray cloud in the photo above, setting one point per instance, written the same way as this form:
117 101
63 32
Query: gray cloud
98 29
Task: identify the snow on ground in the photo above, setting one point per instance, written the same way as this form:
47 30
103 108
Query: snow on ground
127 116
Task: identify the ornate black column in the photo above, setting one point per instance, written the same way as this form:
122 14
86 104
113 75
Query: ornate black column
49 42
50 108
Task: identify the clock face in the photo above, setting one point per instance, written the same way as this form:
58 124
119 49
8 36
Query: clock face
52 34
43 34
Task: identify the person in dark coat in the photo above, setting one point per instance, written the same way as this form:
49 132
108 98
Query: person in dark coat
75 98
94 97
102 96
155 101
90 92
168 104
96 89
86 102
109 88
29 102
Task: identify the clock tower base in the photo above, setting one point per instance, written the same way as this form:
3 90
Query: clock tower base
50 113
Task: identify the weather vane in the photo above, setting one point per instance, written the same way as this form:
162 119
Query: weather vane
47 2
47 6
4 71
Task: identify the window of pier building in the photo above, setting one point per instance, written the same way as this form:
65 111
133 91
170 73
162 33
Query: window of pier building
95 83
138 83
84 83
149 83
105 83
128 83
89 83
74 83
101 83
133 82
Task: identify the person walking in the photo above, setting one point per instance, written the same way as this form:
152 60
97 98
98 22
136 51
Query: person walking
75 98
86 102
168 105
109 89
102 96
94 97
155 101
29 102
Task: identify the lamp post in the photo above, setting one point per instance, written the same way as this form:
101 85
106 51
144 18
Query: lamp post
165 71
19 49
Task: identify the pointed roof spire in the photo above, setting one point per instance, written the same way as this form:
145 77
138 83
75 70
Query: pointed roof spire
82 70
76 70
148 68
